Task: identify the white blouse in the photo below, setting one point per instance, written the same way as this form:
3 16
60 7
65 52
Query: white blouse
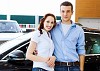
45 48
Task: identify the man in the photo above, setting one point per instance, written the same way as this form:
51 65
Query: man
69 42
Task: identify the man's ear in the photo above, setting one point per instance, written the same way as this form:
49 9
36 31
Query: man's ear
72 12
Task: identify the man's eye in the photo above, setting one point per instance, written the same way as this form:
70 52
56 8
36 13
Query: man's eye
62 11
68 11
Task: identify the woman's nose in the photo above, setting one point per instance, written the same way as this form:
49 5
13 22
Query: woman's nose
49 24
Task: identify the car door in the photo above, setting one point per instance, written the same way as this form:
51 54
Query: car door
92 58
15 60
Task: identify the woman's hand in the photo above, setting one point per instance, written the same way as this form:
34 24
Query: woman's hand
51 61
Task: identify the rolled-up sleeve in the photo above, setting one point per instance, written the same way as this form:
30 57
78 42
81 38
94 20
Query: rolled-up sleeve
81 43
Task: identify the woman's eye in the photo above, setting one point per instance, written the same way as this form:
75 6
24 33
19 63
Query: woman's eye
52 22
47 21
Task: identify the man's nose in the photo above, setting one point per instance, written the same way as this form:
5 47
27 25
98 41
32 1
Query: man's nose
65 13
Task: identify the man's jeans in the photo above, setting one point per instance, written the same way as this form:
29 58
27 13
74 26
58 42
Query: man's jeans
66 68
38 69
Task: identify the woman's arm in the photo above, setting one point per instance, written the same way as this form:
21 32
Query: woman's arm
30 56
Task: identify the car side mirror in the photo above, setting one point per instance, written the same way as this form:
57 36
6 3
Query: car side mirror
16 55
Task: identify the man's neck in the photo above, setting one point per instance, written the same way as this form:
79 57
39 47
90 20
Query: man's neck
66 22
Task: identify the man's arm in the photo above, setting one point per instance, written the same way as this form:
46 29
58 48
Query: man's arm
82 60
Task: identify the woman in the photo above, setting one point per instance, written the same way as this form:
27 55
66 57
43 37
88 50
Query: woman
42 43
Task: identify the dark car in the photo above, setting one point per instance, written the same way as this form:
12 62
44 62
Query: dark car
87 29
92 59
12 53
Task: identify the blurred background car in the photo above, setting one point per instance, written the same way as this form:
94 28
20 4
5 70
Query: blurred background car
9 29
9 26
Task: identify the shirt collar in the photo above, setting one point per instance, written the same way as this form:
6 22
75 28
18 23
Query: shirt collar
44 31
72 23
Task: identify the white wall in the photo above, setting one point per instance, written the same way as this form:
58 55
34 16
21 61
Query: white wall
90 22
32 7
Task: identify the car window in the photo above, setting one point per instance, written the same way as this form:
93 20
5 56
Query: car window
92 43
9 27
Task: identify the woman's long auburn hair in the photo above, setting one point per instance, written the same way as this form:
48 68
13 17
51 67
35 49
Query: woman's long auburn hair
41 26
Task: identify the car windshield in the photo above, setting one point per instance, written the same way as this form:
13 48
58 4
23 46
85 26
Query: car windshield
92 43
9 27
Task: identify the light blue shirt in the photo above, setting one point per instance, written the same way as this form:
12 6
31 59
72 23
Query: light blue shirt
68 47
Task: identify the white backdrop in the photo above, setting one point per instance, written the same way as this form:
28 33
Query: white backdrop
32 7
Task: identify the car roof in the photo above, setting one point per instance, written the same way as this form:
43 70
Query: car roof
8 21
89 32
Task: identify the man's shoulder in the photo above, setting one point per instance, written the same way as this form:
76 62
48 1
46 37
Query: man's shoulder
79 27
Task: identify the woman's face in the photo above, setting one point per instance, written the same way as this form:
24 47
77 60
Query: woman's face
48 23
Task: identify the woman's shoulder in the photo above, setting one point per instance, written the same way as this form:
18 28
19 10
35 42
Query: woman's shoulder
36 32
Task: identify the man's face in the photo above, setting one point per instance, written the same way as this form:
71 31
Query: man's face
66 13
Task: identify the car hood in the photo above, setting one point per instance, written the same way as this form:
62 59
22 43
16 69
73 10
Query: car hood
9 36
12 44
